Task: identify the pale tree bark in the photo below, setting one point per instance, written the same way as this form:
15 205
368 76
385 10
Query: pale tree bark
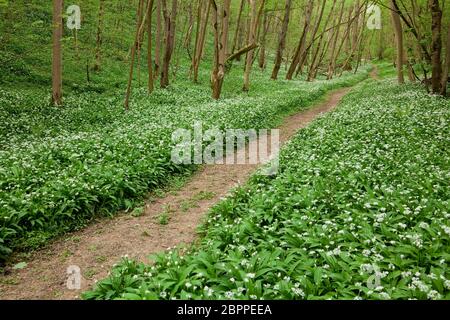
299 51
282 40
57 52
446 70
436 45
101 11
399 41
149 47
221 18
170 25
254 22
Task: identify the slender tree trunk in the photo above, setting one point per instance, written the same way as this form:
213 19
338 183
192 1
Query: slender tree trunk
170 25
299 51
197 35
355 31
57 53
158 39
412 28
399 39
346 37
282 40
359 47
238 27
314 64
353 37
317 23
445 72
139 43
199 47
139 29
262 52
188 38
149 47
436 45
381 44
97 65
409 60
333 56
254 17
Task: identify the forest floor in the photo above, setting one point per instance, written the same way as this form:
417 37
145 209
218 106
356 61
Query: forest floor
169 221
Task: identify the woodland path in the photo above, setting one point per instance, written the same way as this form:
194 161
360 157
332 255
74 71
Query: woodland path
96 248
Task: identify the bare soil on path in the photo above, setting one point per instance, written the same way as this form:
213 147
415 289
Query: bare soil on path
96 248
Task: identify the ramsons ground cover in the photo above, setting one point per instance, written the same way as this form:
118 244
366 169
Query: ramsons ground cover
359 210
61 167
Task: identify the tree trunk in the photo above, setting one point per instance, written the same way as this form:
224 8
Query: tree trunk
197 35
188 38
282 40
97 65
254 16
314 64
139 29
170 26
158 39
200 43
445 72
139 43
436 46
299 51
149 47
422 44
220 45
333 56
317 23
360 39
399 39
57 53
262 52
238 27
381 45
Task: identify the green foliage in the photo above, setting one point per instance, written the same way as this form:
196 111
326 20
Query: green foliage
62 167
359 210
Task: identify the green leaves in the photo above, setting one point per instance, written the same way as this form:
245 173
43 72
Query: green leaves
358 213
90 157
